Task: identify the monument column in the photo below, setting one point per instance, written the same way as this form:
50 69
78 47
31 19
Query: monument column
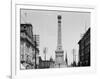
59 58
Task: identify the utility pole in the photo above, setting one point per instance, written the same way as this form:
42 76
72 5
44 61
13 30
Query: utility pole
74 57
36 43
45 51
35 51
85 26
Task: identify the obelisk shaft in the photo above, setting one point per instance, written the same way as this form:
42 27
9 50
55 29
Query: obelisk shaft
59 45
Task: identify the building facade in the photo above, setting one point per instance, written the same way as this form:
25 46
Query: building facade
27 47
84 49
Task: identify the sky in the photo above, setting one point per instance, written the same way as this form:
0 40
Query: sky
45 24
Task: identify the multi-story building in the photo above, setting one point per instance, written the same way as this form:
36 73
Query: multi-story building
84 49
27 47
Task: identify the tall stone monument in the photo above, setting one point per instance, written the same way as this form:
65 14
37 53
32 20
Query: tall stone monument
59 53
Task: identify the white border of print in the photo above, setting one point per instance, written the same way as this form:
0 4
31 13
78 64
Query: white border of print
16 73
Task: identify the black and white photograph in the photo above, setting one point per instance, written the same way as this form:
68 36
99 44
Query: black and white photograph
54 39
